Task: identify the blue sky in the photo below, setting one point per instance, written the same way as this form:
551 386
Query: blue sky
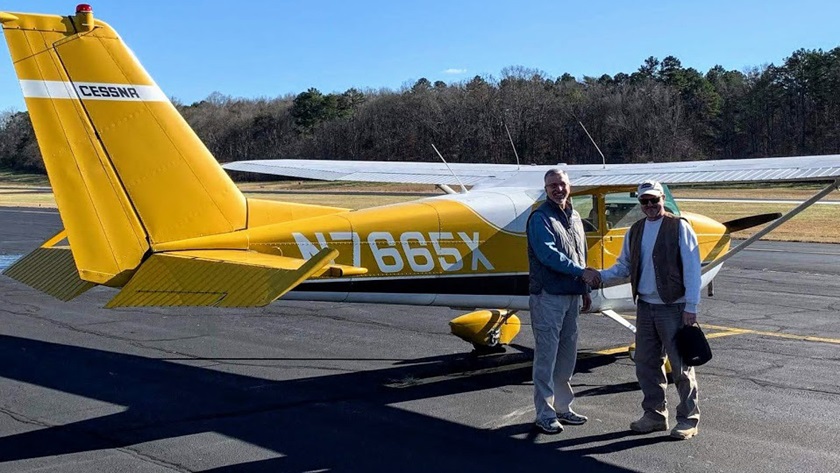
251 48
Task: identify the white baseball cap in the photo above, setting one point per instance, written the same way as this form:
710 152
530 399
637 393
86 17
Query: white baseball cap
650 187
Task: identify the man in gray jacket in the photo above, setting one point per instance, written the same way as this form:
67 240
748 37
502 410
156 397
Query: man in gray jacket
557 263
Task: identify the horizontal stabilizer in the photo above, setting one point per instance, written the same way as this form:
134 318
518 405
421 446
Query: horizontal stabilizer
51 271
752 221
221 278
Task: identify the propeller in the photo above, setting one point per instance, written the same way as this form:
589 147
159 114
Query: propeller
748 222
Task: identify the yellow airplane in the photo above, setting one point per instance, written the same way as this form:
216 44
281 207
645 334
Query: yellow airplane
147 208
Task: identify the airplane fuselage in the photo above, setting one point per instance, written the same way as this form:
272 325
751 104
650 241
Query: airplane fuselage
458 250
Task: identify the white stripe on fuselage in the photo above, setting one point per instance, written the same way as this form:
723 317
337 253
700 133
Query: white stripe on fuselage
506 209
53 89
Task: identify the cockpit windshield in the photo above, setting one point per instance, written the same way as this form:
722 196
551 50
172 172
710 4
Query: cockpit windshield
622 209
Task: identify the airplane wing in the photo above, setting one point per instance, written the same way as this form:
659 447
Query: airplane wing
730 171
379 171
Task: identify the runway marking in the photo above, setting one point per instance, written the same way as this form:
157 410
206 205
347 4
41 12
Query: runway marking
755 201
789 336
496 369
771 250
464 374
724 332
727 331
612 351
7 260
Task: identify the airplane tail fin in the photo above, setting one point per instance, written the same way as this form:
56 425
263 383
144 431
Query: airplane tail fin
127 170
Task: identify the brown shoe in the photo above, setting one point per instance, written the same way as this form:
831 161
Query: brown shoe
683 431
646 425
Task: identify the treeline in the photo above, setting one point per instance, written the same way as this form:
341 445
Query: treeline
661 112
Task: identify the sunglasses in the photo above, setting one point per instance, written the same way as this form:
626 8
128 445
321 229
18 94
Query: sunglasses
651 201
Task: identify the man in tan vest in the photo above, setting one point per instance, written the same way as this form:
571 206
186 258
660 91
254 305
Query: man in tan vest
662 259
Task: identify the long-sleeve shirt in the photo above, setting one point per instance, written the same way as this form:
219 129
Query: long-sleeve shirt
689 253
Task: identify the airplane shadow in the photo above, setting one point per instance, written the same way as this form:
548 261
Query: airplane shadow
338 422
630 440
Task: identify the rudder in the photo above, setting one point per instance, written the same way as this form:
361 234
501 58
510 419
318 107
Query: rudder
126 169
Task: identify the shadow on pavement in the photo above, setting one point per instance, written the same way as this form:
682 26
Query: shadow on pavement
341 422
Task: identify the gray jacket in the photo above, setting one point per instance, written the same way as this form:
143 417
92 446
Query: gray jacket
556 250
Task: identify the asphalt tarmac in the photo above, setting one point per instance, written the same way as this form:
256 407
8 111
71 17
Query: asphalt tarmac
338 387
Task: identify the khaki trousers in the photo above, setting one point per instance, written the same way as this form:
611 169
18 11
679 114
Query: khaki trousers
554 322
656 330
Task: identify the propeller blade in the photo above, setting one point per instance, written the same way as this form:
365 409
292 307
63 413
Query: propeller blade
752 221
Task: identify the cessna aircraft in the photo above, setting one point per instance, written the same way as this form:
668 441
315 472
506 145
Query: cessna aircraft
147 208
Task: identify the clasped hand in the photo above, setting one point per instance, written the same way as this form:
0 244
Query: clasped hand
592 277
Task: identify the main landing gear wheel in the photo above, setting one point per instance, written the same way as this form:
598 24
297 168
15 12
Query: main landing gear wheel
484 350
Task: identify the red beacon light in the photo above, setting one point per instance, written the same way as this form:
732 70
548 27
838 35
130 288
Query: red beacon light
84 17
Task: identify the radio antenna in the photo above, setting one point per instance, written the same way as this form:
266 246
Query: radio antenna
512 146
603 159
463 189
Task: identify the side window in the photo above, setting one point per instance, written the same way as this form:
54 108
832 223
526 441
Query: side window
586 207
621 209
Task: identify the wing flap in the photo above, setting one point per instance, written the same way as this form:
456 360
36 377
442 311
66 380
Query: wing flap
221 278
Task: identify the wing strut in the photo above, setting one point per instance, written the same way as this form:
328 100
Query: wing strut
463 189
446 189
609 313
769 228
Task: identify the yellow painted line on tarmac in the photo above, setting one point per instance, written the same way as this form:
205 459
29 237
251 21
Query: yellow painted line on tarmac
723 332
407 383
789 336
727 331
613 351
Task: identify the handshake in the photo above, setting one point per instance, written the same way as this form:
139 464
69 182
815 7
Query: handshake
592 277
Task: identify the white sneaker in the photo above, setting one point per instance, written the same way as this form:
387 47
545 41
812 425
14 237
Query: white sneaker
572 418
549 426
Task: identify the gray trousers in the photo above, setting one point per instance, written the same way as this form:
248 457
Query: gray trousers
656 330
554 321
